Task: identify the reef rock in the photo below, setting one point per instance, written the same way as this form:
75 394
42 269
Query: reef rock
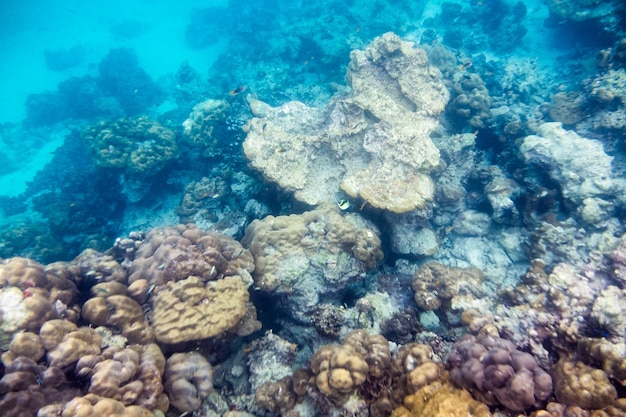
579 165
373 142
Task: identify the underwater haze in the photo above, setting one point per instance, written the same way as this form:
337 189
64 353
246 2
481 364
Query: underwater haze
328 208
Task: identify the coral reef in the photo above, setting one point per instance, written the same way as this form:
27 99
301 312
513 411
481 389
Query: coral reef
373 143
138 146
29 295
176 253
469 101
310 258
495 372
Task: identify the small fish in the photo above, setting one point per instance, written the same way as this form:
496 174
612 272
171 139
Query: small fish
465 65
343 204
237 90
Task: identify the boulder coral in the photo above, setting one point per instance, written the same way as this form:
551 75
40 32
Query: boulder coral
199 129
441 399
373 143
436 285
496 373
311 257
193 310
576 384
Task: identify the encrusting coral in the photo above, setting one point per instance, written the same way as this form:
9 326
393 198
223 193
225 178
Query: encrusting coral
373 143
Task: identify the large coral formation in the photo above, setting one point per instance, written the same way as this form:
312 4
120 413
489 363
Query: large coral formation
470 101
201 198
610 357
495 372
310 256
441 399
137 145
373 143
437 285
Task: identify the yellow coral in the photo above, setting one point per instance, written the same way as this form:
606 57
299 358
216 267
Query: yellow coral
438 399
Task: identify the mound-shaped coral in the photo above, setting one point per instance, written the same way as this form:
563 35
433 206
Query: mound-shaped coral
176 253
199 128
137 145
579 165
373 143
497 373
577 384
441 399
310 256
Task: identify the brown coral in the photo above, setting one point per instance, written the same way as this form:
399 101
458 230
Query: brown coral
611 357
199 128
339 370
188 380
29 295
319 245
119 312
192 310
577 384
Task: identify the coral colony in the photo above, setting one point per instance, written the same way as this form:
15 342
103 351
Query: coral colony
406 212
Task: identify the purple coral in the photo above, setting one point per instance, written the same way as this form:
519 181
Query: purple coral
498 374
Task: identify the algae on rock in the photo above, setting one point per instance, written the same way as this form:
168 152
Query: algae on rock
373 143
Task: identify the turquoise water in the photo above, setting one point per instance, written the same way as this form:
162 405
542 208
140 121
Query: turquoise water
499 142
